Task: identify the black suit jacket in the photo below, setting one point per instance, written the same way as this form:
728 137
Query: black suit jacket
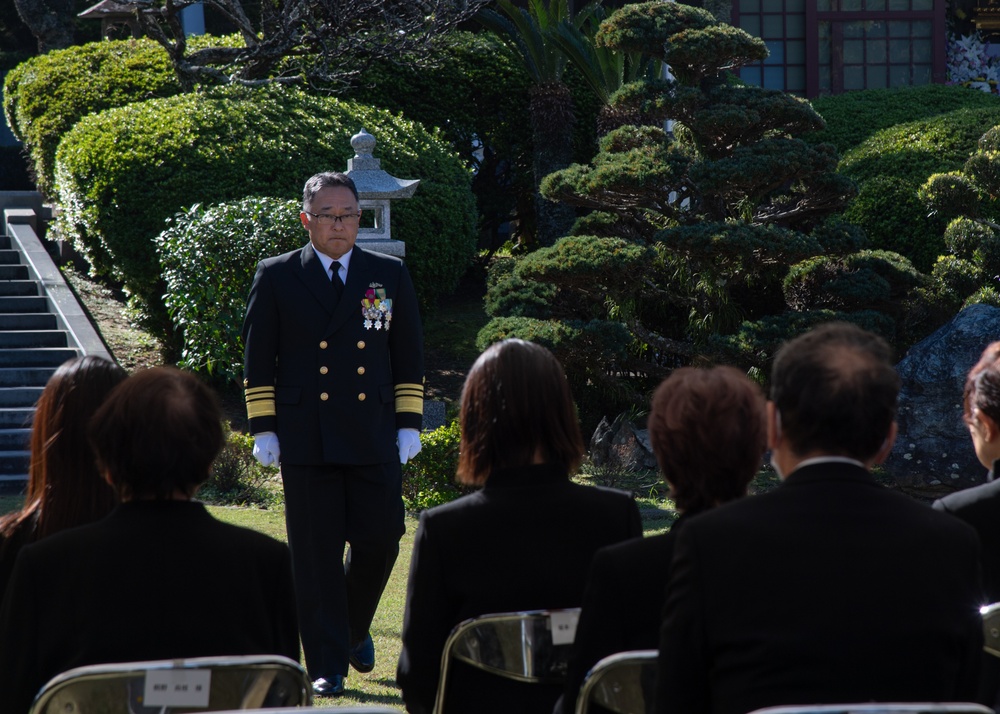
979 506
333 384
828 589
153 580
522 543
622 605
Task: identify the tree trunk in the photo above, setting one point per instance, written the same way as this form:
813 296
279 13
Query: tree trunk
552 129
50 21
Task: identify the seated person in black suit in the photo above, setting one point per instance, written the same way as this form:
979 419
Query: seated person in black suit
158 578
979 506
523 542
707 430
829 588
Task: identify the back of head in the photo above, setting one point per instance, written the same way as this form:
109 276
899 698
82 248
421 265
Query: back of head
982 385
708 432
835 391
158 434
64 484
516 405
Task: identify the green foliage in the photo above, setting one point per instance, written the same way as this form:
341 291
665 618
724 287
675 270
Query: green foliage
232 142
208 259
950 195
48 94
237 479
895 219
853 117
869 279
987 295
429 477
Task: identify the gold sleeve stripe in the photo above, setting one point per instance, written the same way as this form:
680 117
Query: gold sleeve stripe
410 388
253 391
260 408
410 398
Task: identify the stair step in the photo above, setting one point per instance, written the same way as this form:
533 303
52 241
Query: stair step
15 439
25 376
14 272
18 287
16 417
32 338
19 396
36 303
27 321
36 356
10 257
5 242
14 462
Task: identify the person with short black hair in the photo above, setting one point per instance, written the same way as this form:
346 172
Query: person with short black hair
159 578
523 542
706 427
829 588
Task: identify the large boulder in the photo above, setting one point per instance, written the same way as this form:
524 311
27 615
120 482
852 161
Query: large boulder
620 446
933 454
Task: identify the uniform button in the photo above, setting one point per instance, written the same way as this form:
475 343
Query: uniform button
361 344
361 397
323 345
361 370
323 370
324 396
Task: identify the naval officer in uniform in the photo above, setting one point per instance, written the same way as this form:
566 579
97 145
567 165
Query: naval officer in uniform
334 392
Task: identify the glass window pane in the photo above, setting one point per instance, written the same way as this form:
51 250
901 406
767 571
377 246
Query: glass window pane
823 53
899 76
750 23
923 5
773 26
824 78
922 28
875 5
853 29
823 5
899 28
922 74
792 6
854 51
824 30
922 52
875 77
750 75
774 6
850 5
899 5
795 79
774 78
777 52
854 78
795 25
899 51
795 52
876 28
875 52
749 6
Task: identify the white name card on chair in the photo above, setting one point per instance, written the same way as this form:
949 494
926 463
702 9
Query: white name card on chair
563 624
177 688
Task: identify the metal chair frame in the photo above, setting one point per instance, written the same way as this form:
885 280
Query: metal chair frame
512 645
991 628
244 681
881 708
621 682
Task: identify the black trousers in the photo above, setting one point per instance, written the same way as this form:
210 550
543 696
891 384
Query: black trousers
326 508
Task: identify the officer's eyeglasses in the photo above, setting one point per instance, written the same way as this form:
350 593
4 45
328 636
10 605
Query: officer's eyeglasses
329 219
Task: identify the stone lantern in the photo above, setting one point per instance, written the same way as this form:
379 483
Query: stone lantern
376 189
117 19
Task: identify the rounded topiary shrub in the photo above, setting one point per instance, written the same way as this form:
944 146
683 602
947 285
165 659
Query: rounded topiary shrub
45 96
123 172
950 195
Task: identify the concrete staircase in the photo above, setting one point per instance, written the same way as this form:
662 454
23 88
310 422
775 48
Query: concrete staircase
41 326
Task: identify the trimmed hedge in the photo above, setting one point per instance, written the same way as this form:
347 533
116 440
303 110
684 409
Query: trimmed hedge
45 96
123 172
853 117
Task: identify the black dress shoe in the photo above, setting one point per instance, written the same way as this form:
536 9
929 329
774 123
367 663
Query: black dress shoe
332 687
362 655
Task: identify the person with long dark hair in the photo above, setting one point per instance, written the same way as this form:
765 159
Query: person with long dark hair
523 542
64 487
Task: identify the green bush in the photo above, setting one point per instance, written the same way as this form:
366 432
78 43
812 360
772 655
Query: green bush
208 275
984 296
237 479
429 478
895 219
123 172
950 195
45 96
853 117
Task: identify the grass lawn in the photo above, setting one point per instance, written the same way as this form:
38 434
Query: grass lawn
379 686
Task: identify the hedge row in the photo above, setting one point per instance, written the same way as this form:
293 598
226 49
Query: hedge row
123 172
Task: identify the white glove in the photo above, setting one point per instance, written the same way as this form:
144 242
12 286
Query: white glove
266 449
409 444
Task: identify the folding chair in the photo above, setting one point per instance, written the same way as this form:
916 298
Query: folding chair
884 708
357 709
177 686
528 646
623 683
991 628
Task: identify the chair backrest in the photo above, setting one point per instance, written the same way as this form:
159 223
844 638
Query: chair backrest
883 708
176 686
991 628
355 709
528 646
623 683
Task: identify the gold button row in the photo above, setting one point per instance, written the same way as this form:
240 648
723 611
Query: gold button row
324 396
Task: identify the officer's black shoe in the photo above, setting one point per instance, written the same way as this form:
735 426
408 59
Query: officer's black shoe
332 687
362 655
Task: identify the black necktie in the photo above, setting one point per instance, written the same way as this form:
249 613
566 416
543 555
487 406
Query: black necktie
338 284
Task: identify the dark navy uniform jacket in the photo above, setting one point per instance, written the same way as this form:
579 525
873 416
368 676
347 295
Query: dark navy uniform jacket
334 380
